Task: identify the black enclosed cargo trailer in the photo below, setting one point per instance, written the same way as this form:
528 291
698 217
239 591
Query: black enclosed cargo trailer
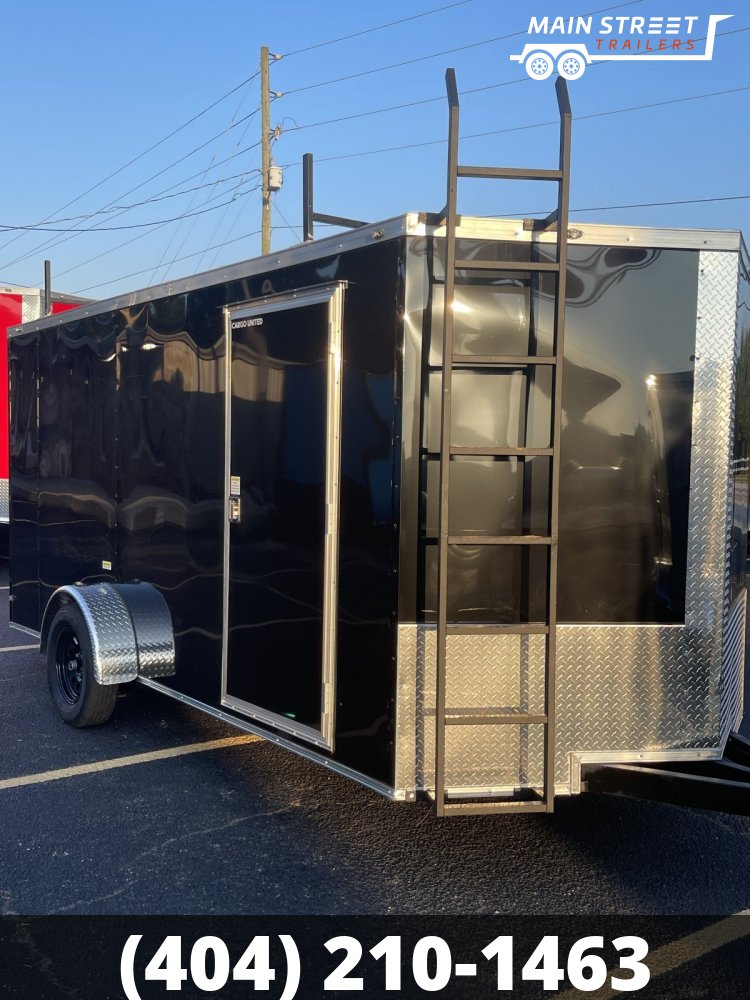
259 447
438 551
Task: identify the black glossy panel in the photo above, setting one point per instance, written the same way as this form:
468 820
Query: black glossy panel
502 408
627 417
490 583
170 422
278 451
24 469
76 453
627 402
476 484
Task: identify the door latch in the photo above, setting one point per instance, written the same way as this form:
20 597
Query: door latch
235 510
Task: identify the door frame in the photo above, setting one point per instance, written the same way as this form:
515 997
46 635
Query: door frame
333 294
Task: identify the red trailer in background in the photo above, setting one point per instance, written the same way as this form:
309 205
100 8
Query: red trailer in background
18 304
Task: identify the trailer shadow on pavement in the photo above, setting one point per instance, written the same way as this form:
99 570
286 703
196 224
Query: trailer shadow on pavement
254 829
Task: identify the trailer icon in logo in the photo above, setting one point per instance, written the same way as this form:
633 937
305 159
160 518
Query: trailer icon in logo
539 59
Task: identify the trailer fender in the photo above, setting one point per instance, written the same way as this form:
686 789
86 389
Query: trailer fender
129 625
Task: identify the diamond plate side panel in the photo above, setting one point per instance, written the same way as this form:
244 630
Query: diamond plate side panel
732 673
631 688
4 500
498 672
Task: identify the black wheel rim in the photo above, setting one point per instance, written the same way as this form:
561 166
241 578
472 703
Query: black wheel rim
69 665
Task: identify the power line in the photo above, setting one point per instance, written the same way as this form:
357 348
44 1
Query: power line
598 208
643 204
379 27
145 152
112 229
156 197
133 274
58 242
522 128
133 239
190 204
55 242
295 229
222 217
436 55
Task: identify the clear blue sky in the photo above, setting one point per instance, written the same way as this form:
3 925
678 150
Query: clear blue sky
88 86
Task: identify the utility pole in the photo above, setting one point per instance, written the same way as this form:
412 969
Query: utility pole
265 137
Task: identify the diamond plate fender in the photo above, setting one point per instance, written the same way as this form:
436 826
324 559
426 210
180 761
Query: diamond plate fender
129 626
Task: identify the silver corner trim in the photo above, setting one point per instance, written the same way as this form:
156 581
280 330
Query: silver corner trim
332 506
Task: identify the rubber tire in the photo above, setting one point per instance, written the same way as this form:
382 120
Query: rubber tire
95 702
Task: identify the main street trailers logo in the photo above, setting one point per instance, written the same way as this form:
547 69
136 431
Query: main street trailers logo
632 38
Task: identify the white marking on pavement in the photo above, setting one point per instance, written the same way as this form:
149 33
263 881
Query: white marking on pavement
680 952
139 758
9 649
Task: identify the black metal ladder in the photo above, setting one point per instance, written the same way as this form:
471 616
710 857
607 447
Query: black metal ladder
523 799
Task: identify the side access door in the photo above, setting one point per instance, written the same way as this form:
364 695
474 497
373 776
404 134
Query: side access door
282 510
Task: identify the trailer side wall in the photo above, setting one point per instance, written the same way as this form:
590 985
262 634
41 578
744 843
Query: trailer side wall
122 476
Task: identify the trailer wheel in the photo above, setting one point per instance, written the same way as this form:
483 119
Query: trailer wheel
571 65
539 65
76 694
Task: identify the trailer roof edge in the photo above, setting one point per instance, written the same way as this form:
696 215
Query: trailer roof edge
410 224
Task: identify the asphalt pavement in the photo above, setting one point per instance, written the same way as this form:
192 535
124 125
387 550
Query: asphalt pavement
249 828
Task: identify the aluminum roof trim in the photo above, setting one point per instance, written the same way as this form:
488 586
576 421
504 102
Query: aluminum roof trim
411 224
592 234
301 253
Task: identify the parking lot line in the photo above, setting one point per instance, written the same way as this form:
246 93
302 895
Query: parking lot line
9 649
139 758
681 951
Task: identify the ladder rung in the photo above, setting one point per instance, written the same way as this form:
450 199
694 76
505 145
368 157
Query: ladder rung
479 719
499 540
494 806
502 452
519 628
519 360
506 265
510 173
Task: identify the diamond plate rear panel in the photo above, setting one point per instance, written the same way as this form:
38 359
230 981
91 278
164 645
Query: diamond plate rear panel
31 307
621 689
732 673
4 500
